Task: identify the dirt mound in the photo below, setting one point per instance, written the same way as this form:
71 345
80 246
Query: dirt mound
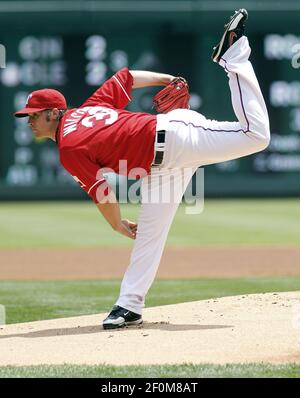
239 329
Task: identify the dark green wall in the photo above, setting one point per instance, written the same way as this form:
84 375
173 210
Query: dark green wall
168 36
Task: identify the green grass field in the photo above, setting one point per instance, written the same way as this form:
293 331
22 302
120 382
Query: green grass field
31 301
78 225
171 371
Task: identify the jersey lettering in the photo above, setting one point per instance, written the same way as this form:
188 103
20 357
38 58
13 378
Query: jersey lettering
109 116
99 113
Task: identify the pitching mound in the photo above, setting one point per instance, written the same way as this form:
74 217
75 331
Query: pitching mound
240 329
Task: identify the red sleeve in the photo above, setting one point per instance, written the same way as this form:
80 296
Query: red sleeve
87 173
115 92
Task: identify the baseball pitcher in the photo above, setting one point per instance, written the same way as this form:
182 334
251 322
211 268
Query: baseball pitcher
101 136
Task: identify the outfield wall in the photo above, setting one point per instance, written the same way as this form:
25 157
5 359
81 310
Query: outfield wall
74 46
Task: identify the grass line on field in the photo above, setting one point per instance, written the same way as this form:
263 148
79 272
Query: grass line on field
259 370
79 224
27 301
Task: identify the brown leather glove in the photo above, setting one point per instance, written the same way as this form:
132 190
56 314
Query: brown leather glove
175 95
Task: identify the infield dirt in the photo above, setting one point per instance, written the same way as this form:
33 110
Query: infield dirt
240 329
105 263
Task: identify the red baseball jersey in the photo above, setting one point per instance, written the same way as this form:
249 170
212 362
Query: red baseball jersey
101 136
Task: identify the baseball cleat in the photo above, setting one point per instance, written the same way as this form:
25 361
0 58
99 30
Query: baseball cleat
234 29
120 317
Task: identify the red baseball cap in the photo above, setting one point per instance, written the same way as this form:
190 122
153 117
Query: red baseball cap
40 100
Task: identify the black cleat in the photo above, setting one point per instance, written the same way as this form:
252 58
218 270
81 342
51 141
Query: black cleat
234 29
120 317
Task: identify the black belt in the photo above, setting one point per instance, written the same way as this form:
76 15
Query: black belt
159 154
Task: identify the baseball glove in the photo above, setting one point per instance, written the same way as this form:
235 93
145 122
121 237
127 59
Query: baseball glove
175 95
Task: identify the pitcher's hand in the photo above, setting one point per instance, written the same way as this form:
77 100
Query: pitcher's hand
127 228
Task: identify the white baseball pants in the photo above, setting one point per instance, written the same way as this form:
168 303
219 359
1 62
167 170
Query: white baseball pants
193 141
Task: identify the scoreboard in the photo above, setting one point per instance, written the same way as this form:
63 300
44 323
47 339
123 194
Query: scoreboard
78 62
